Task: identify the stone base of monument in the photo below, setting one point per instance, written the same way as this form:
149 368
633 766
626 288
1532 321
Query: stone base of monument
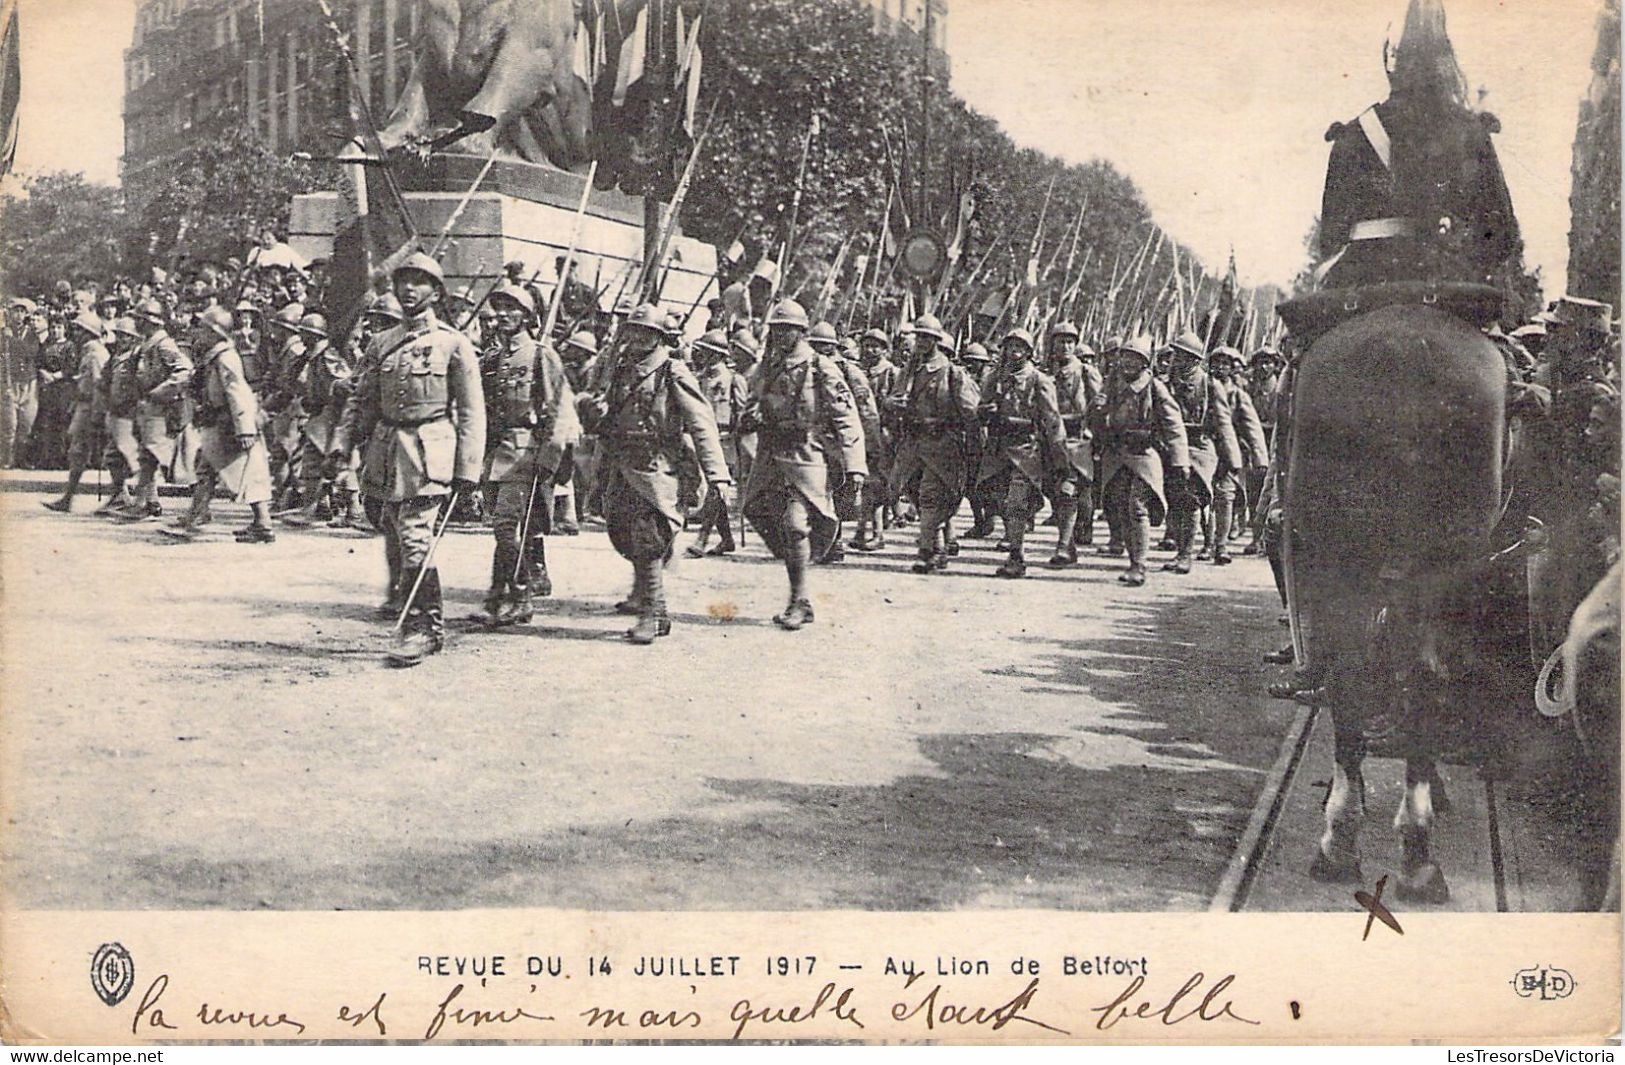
524 212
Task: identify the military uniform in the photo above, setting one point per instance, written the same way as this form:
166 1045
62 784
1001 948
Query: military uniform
1071 490
530 409
803 408
285 413
1025 435
728 392
1137 417
225 409
423 415
162 372
936 409
320 387
1212 448
1228 484
121 395
89 411
651 402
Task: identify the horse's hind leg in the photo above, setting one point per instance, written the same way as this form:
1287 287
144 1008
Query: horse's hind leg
1420 878
1337 860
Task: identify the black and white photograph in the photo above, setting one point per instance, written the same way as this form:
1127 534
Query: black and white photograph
791 456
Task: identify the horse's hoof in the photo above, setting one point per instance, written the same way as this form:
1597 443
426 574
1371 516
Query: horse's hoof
1424 884
1329 871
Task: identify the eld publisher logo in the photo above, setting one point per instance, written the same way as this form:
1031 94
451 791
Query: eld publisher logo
1546 983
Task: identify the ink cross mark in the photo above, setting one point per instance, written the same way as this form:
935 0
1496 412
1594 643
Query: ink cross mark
1376 910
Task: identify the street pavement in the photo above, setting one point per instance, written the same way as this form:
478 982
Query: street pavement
211 725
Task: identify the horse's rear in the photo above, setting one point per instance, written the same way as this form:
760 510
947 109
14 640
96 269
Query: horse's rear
1393 490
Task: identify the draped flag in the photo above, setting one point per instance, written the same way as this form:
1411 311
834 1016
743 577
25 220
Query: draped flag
10 84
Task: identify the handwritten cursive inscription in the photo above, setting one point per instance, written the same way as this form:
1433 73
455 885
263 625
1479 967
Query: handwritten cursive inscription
743 1013
933 1011
1130 1005
475 1017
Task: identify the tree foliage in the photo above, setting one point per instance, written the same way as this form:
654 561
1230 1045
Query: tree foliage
62 226
216 194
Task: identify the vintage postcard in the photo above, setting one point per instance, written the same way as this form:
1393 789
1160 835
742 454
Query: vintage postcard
791 520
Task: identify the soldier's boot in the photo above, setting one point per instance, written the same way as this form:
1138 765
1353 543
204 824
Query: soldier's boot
799 610
323 509
186 526
653 621
119 499
927 561
632 605
306 515
926 542
1137 534
1066 521
423 633
503 563
536 575
950 542
64 503
346 509
519 607
1206 523
1223 515
1015 566
725 532
395 599
1183 529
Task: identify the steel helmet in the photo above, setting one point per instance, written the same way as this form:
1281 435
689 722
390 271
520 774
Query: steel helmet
1140 345
217 320
313 324
1189 343
948 344
822 333
1084 351
1018 334
930 326
1225 351
517 295
649 316
423 264
89 321
150 311
585 339
743 340
713 340
976 351
1064 329
125 327
289 316
878 336
385 306
788 313
849 348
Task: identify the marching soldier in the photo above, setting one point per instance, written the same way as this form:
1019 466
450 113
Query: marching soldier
1210 443
422 411
979 364
935 408
1024 437
530 408
1071 490
1228 482
848 497
1262 386
1135 418
650 401
874 347
120 395
162 373
728 393
800 404
226 415
322 384
89 414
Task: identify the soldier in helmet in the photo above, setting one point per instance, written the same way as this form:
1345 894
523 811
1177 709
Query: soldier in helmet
848 497
530 409
323 383
1262 385
1136 418
728 393
227 416
1228 484
89 414
422 411
800 405
162 373
1071 489
579 353
248 336
650 400
874 348
1025 437
1210 443
934 408
284 415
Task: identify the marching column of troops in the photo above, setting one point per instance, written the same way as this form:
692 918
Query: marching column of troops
437 410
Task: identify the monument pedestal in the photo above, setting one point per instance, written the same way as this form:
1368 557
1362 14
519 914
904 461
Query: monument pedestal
523 212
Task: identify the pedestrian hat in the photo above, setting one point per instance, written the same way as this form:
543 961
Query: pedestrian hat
89 321
125 327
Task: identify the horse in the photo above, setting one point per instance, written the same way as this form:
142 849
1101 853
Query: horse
1393 494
